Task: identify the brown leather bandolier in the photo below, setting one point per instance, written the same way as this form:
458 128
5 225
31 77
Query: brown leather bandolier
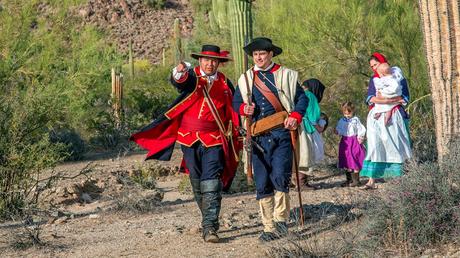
271 122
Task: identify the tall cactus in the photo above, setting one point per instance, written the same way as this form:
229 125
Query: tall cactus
441 29
241 28
212 21
131 59
177 42
219 13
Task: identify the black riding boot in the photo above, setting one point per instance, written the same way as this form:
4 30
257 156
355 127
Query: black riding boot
196 187
212 196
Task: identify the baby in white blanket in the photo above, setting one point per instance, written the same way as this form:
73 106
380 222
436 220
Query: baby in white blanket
388 85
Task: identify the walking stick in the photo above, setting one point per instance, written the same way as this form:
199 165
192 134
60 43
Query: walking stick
296 167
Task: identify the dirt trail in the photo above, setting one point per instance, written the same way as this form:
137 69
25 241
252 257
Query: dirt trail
171 229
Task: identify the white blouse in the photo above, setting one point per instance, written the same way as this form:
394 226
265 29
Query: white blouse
350 127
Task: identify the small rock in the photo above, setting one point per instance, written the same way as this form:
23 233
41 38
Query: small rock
114 18
85 197
94 216
73 189
252 216
61 191
61 220
83 13
101 184
194 230
241 202
57 214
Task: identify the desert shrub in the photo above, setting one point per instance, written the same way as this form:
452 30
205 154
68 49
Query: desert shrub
75 146
146 173
148 95
202 6
106 135
185 187
25 148
419 210
156 4
29 107
135 201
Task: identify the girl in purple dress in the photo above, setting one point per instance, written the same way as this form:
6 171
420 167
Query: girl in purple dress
351 149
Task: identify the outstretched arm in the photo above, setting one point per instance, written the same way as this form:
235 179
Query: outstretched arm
183 77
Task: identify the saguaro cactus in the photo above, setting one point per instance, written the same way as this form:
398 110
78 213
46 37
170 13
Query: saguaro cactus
241 28
117 96
219 13
131 59
441 29
177 42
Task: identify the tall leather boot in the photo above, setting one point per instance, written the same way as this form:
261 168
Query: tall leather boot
267 207
197 195
281 213
212 197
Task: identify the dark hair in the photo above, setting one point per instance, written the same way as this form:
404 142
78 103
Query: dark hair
347 106
316 87
373 58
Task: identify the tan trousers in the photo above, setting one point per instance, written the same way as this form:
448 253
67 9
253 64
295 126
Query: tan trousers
274 209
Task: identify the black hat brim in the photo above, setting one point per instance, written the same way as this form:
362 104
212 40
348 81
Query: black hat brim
220 58
262 45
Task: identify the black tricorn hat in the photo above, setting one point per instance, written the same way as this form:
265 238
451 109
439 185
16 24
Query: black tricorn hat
213 52
262 43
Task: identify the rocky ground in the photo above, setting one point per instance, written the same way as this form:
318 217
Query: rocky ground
150 30
103 212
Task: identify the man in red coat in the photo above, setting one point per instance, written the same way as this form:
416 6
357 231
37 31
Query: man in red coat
203 122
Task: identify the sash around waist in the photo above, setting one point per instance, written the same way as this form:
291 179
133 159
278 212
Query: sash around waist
196 125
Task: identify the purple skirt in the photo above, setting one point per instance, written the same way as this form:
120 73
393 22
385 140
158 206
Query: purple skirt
351 153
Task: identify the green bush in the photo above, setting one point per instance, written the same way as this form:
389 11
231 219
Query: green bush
25 149
201 6
156 4
419 210
29 107
75 146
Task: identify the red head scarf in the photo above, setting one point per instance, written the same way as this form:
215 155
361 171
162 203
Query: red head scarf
381 59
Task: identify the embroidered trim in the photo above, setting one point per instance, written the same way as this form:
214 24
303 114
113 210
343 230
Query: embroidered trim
180 103
215 137
183 134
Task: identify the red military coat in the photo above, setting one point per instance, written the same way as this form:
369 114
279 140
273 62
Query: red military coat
189 112
199 112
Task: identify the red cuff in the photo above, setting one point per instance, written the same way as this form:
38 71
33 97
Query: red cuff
182 78
297 116
242 109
